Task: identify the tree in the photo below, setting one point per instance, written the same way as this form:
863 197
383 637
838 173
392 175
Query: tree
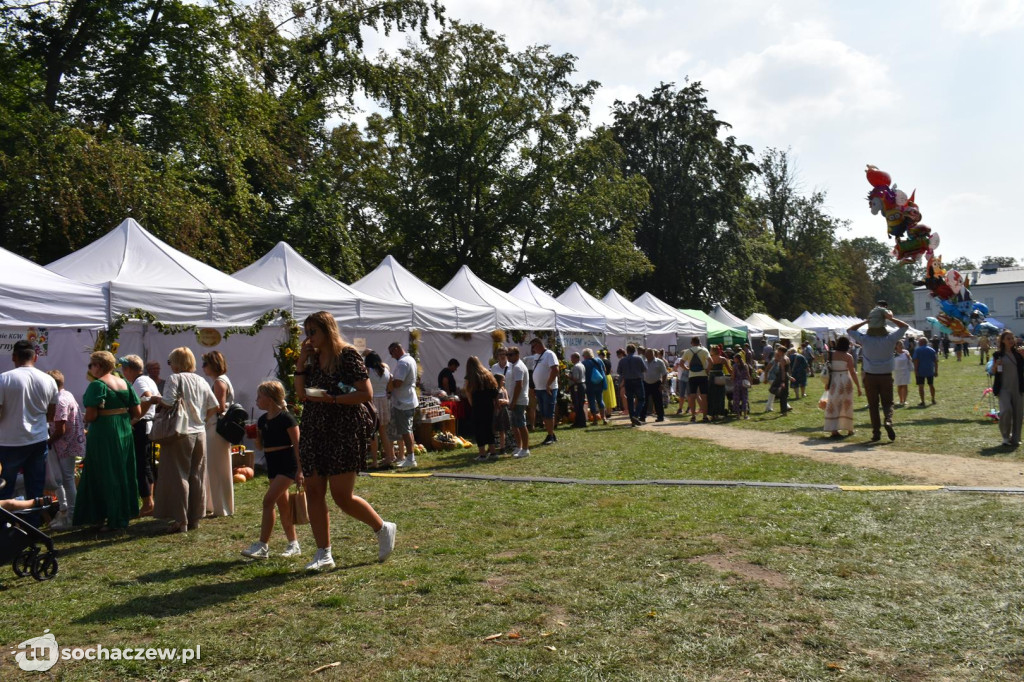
999 261
481 161
206 121
691 232
813 272
883 276
961 263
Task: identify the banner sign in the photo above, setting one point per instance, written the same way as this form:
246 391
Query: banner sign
37 336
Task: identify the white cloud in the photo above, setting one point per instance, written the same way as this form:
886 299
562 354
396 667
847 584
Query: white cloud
983 17
667 65
794 83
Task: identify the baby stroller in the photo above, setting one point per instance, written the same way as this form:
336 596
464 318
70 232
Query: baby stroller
20 546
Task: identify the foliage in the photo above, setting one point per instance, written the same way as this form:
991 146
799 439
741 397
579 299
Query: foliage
481 161
205 121
691 231
813 273
999 261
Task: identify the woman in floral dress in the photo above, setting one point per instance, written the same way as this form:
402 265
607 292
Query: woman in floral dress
338 422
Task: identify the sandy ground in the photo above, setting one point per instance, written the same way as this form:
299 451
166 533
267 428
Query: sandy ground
932 469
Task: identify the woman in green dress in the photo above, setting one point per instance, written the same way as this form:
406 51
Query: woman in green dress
108 491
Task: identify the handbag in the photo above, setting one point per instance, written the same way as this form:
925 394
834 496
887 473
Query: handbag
231 424
168 423
720 380
300 513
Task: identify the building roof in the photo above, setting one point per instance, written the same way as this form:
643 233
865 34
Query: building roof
987 276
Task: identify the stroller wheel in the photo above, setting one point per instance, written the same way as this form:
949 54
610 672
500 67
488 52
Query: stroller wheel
45 566
24 560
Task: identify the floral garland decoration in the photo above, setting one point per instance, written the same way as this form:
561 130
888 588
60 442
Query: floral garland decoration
286 353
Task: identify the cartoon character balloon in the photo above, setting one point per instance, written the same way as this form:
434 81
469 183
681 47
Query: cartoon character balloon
902 217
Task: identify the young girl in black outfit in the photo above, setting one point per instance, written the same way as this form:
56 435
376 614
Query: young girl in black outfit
279 439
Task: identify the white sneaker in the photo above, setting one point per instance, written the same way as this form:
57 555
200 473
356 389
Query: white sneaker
62 521
292 549
407 463
321 560
385 540
257 550
525 452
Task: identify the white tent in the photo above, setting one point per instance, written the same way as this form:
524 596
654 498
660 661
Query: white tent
773 328
820 325
450 327
282 269
719 313
566 318
56 314
32 296
687 326
140 271
655 323
616 321
431 309
512 312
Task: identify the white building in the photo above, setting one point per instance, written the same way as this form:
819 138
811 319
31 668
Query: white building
1001 289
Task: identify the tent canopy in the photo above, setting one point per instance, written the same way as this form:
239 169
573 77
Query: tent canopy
512 312
686 325
717 332
31 295
566 318
720 314
616 321
655 323
282 269
772 327
140 271
432 309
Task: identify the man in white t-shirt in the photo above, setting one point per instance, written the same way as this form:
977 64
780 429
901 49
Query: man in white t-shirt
132 368
517 383
545 382
28 399
404 401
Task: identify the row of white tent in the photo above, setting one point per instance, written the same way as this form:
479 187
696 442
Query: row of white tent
129 268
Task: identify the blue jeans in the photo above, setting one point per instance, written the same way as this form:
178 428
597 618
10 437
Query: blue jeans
595 396
546 401
635 398
31 458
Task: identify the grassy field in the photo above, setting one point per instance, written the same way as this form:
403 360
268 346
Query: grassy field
579 582
955 425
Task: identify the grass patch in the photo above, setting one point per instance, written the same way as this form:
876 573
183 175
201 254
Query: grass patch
602 583
956 425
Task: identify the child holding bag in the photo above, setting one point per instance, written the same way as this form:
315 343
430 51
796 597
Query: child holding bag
278 437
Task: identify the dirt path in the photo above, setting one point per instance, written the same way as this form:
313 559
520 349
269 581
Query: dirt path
924 468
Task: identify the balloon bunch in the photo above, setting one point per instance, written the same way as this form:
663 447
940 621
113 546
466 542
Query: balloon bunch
960 315
902 217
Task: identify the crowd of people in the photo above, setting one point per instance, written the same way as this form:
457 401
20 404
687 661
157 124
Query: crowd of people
359 414
128 411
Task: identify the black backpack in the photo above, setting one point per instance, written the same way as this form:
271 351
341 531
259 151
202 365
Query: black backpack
231 424
695 364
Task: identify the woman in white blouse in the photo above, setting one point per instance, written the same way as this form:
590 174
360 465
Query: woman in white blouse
180 495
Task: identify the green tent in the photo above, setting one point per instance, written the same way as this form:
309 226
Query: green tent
718 333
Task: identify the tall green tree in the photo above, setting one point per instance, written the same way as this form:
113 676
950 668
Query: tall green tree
692 232
814 273
207 121
482 159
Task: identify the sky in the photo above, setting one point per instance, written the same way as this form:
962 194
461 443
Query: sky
929 91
